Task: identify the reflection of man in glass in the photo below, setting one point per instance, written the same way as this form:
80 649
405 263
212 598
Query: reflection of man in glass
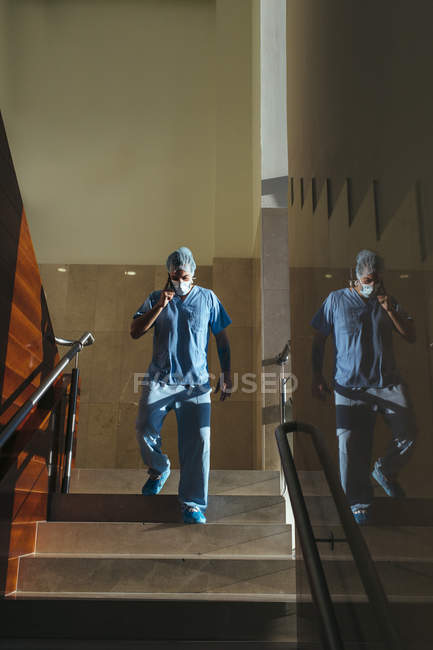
362 320
178 379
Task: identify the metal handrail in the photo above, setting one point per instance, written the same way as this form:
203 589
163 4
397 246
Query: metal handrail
361 554
315 572
281 358
67 342
76 346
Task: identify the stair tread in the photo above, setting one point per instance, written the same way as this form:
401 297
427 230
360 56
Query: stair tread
154 539
329 557
211 575
397 543
392 543
130 481
220 596
171 556
409 511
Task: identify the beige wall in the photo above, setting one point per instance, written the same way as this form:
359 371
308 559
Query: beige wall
359 100
4 41
274 91
359 108
275 324
132 126
102 298
257 349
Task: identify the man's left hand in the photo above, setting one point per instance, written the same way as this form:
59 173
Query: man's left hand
225 385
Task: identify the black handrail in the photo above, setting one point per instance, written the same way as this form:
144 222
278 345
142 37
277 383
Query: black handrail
70 429
313 563
9 429
361 554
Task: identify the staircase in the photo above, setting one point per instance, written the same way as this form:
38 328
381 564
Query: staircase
243 551
115 566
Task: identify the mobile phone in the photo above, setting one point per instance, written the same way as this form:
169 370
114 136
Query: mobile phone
169 286
380 290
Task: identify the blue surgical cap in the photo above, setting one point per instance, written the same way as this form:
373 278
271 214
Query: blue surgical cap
367 262
181 258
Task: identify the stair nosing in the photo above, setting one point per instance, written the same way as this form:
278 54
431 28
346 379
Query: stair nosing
216 596
288 597
164 556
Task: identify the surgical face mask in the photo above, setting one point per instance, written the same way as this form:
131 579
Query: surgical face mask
182 287
366 290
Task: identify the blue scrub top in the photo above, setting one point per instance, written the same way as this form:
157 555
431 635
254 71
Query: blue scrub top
181 336
362 332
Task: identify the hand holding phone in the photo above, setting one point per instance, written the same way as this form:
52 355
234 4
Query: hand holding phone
380 289
385 301
167 293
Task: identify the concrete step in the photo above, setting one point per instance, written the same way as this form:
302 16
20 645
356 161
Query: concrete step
206 578
96 625
130 481
314 484
221 481
385 511
89 644
152 621
164 540
384 542
358 624
176 577
164 508
129 624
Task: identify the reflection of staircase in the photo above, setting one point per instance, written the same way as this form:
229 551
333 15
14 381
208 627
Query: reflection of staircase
401 543
99 552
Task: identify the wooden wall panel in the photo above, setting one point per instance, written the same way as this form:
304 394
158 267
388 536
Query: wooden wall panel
11 577
30 478
27 347
22 540
31 352
29 506
28 353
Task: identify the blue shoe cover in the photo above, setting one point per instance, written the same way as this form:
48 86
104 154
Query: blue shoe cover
193 516
392 488
154 485
361 516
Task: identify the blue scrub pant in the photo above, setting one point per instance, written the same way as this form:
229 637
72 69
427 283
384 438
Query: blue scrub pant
191 405
356 411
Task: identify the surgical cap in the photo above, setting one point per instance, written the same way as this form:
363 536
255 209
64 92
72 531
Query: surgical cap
367 262
181 258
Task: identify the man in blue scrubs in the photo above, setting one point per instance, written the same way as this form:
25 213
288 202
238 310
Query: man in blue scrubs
178 379
362 320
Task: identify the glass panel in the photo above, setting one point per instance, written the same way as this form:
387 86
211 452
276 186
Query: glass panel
375 423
